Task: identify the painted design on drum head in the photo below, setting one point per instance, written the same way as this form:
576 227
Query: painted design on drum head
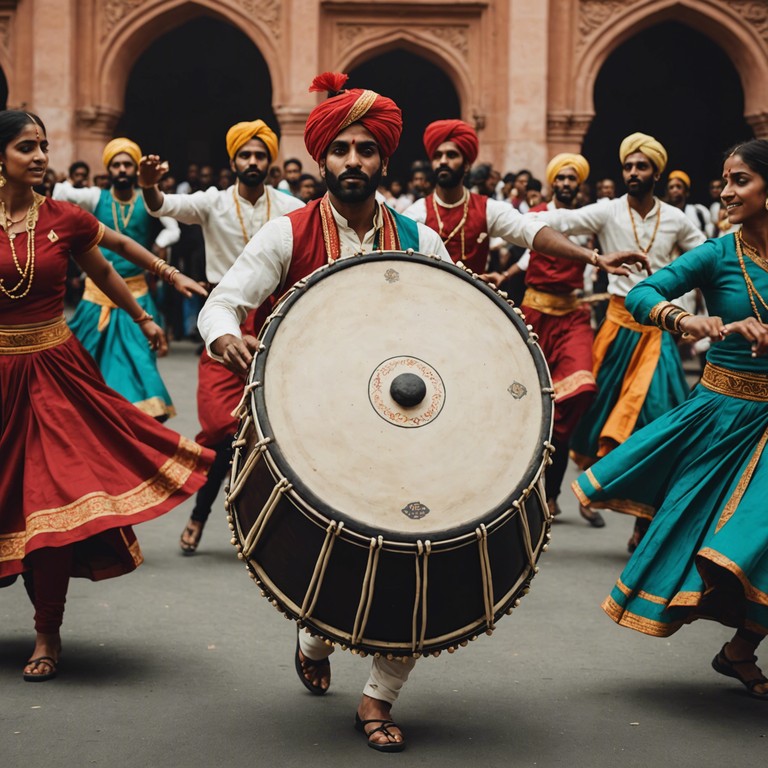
517 390
389 409
392 276
415 510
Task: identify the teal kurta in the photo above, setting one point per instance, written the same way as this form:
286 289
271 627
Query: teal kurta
127 363
699 472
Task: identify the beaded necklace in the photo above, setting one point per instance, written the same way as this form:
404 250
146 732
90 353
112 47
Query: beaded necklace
246 236
634 229
27 274
122 211
752 292
458 228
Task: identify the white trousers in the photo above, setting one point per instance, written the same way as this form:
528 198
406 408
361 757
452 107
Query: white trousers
386 678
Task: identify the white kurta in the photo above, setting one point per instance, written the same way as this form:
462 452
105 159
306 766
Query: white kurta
610 221
504 220
216 212
263 265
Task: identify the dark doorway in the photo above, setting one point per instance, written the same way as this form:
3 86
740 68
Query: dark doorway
189 87
3 91
422 91
676 84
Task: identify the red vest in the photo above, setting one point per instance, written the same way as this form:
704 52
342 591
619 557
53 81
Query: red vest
553 274
475 230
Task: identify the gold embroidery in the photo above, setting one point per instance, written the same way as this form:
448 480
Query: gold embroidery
741 384
155 406
592 479
52 236
623 588
751 592
639 623
556 304
23 339
359 108
570 384
652 598
171 476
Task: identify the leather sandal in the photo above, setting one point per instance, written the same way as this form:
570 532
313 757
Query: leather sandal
383 727
725 666
314 667
49 662
190 538
592 516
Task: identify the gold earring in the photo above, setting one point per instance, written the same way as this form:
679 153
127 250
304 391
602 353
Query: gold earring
2 178
766 204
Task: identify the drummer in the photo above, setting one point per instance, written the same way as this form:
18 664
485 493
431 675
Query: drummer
351 136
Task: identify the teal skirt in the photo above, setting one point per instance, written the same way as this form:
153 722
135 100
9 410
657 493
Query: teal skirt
121 351
667 389
700 474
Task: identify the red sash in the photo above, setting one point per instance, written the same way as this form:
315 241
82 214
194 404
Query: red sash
467 242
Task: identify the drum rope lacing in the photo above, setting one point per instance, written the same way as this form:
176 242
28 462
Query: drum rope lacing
247 468
422 556
366 592
316 582
252 539
236 412
485 573
523 517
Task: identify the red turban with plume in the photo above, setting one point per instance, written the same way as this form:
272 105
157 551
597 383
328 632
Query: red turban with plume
380 116
460 133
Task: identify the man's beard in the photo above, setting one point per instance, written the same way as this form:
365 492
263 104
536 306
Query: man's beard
354 194
252 177
448 179
123 182
565 196
641 188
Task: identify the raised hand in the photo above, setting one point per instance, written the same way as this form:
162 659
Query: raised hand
151 170
616 263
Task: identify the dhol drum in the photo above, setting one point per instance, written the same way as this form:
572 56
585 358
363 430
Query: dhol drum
386 484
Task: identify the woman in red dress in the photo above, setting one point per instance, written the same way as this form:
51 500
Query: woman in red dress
80 464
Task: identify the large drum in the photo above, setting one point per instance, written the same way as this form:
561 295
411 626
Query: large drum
386 484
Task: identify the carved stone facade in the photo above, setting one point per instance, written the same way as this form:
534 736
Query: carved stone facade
524 70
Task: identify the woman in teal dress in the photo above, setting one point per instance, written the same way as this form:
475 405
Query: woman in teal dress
700 472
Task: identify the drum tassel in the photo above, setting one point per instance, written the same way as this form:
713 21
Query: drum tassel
366 592
316 582
252 539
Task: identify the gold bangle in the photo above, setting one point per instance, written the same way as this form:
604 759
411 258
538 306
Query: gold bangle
157 265
143 318
170 275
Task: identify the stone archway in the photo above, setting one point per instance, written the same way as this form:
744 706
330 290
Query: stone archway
431 97
189 86
675 83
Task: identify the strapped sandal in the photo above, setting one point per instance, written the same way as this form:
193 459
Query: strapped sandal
725 666
193 536
310 665
42 677
592 516
384 725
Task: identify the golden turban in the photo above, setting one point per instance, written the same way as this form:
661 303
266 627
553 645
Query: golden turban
241 133
567 160
642 142
117 146
683 176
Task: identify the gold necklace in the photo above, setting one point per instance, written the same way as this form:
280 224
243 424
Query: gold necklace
458 228
634 229
246 237
752 292
27 274
121 208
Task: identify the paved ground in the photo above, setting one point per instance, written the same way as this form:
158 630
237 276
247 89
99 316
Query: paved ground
184 664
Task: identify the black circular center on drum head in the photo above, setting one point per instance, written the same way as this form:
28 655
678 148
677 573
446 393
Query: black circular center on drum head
408 389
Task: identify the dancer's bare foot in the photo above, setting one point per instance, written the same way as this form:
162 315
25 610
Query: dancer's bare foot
373 718
44 658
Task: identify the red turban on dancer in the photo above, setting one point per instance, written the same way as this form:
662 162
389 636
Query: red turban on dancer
380 116
460 133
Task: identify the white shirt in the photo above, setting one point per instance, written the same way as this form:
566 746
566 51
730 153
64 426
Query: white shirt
216 212
263 266
610 221
503 220
88 198
699 215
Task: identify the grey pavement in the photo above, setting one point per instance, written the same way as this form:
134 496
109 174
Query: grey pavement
183 663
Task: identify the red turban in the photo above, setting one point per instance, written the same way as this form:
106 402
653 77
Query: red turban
460 133
380 116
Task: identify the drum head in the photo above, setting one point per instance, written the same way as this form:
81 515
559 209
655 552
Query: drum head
403 397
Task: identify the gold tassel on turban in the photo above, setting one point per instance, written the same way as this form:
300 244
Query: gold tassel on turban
642 142
567 160
241 133
683 176
118 146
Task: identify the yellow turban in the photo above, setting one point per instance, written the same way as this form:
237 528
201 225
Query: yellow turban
683 176
116 146
567 160
642 142
241 133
